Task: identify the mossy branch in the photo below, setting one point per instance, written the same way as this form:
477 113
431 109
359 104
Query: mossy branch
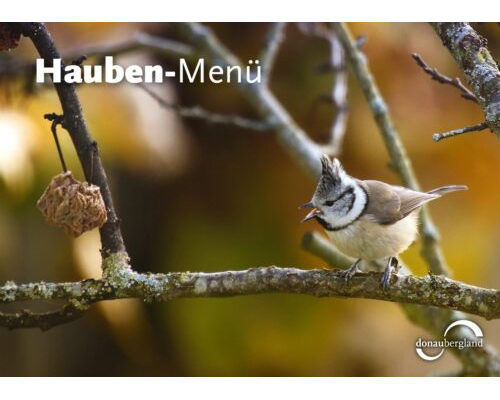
121 282
469 50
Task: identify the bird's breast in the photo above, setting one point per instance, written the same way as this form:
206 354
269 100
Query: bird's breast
369 240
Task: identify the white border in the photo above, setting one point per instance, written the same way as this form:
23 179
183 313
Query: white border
250 10
245 388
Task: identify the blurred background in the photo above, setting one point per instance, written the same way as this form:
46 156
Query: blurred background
200 197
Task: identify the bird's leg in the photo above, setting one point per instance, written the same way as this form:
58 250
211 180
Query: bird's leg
392 266
351 271
397 265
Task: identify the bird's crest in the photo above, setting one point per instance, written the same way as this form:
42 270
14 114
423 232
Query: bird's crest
331 174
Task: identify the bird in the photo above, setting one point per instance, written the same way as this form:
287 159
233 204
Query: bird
368 220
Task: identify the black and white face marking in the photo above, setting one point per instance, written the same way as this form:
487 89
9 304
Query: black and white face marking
341 211
338 200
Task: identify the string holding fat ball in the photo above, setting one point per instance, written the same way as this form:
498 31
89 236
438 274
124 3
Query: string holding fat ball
75 207
57 120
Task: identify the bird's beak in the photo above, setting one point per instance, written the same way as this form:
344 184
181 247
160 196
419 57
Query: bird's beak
307 205
312 213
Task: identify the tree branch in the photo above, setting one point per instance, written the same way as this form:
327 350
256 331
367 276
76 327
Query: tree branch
271 47
44 321
140 41
339 89
474 128
469 50
74 122
431 290
200 113
438 77
339 95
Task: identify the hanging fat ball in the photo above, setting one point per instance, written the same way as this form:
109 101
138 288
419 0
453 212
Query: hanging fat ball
73 206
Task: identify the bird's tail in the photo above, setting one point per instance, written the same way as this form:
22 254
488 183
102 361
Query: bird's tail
447 189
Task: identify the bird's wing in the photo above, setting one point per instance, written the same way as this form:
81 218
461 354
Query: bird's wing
388 204
411 200
383 202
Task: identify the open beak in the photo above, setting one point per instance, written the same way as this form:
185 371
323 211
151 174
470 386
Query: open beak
307 205
312 213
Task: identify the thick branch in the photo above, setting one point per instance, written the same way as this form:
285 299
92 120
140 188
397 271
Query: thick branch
430 290
86 147
399 158
121 282
469 50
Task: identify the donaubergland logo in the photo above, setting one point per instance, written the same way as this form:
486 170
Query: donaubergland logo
460 344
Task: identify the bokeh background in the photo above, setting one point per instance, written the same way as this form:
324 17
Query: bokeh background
201 197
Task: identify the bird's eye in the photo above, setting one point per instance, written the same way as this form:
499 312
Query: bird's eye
329 203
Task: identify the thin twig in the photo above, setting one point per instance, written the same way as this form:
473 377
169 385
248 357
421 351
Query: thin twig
44 321
397 152
474 128
274 38
138 41
197 112
437 76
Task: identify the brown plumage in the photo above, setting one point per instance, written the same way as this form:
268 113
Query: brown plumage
388 204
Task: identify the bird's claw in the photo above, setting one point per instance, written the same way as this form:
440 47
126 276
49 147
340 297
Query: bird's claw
386 279
350 272
389 270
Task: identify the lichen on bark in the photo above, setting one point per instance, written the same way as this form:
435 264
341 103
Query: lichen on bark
469 50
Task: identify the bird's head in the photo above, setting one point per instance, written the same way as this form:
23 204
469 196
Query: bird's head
338 199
